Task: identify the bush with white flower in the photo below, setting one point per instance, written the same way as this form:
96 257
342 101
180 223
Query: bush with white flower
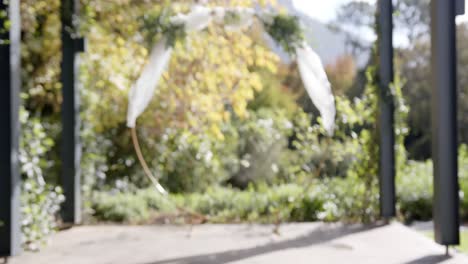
40 202
261 144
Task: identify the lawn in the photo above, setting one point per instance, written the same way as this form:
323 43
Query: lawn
463 247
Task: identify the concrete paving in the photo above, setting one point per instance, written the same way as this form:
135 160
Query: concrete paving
248 244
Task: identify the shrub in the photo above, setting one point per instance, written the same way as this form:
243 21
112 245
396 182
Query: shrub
221 205
262 140
326 200
191 162
120 207
266 205
414 191
155 201
40 202
463 180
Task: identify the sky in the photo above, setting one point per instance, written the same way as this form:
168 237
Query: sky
325 10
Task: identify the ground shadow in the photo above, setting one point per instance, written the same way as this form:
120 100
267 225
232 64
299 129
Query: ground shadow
318 236
431 259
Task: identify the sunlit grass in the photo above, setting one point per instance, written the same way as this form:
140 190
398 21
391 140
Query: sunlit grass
463 247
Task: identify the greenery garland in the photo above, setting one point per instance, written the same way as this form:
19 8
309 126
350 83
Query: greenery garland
286 31
283 29
158 25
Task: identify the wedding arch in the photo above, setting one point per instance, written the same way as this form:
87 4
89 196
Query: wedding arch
283 29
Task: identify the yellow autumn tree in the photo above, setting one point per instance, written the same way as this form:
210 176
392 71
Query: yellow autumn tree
212 74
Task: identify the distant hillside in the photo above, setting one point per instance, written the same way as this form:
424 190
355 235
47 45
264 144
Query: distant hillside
327 43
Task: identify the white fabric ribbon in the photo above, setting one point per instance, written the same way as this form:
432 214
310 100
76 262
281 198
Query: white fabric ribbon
246 16
317 85
198 18
142 91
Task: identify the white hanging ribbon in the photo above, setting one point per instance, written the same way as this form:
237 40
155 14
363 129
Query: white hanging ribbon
142 91
317 85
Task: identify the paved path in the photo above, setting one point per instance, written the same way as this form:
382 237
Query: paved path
235 244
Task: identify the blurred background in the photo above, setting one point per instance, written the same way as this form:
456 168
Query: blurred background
231 132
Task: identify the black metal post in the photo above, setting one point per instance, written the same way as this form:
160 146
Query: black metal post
10 82
444 122
460 7
71 148
386 119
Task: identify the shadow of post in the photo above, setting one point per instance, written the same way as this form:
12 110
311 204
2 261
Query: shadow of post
431 259
318 236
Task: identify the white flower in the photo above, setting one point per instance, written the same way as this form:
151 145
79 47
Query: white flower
274 168
27 186
287 124
245 163
266 123
208 156
321 215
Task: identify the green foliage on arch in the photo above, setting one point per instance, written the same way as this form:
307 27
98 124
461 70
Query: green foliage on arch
284 29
